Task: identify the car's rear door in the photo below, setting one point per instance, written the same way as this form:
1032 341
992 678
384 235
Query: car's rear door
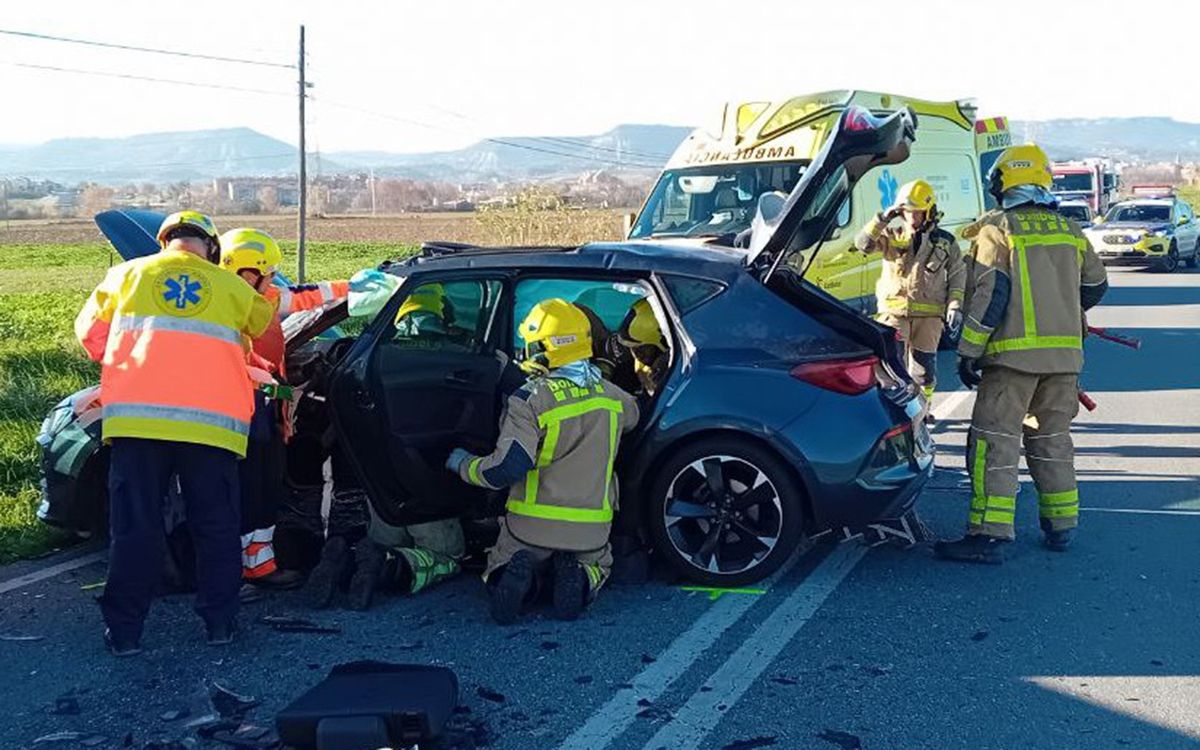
421 382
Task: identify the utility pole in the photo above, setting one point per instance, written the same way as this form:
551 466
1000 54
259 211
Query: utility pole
372 191
301 220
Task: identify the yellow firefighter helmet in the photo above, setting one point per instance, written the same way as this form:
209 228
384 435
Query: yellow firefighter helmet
246 248
556 333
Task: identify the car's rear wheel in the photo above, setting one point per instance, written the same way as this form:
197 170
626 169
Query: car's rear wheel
725 512
1170 263
1194 260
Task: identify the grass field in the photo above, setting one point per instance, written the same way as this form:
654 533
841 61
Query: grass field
47 269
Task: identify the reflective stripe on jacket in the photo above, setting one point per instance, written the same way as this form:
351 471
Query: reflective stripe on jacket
307 296
168 330
916 283
1029 267
556 449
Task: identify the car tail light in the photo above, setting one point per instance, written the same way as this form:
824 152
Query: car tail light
848 376
893 448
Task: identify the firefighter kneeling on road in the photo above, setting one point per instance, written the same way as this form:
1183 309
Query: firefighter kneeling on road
558 441
1032 275
921 286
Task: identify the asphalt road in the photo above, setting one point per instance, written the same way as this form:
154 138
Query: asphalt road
847 647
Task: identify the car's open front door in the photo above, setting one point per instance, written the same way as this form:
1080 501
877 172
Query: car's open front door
422 382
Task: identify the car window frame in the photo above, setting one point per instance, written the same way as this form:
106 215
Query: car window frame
385 321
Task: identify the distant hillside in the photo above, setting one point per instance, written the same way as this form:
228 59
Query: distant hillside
1146 139
196 155
155 157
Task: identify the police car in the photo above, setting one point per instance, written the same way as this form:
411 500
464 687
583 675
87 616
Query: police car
1154 229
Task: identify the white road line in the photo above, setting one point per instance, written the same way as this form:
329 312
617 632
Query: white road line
40 575
946 406
700 715
612 719
1140 512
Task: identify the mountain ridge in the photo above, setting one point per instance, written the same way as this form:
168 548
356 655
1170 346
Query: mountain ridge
204 154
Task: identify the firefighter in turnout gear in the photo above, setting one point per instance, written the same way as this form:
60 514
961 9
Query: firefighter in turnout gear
362 551
1032 275
920 289
169 331
555 454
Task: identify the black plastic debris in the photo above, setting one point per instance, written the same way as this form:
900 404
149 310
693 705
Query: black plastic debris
844 740
785 680
490 695
549 645
648 659
980 634
287 624
584 679
66 705
228 704
751 744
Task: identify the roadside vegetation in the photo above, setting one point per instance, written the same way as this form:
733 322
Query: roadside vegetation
47 271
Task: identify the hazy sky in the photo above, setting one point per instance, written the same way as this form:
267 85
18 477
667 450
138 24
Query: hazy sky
466 69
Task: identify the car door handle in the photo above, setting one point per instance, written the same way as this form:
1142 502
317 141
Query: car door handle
461 377
363 399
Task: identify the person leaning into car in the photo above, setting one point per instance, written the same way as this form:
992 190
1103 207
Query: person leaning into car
168 330
921 284
557 445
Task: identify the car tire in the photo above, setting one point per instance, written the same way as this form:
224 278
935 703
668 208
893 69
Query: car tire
721 541
1194 260
1171 263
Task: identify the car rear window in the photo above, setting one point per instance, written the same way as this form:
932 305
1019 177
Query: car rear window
689 293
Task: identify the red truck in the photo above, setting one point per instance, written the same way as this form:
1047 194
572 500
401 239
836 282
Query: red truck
1093 180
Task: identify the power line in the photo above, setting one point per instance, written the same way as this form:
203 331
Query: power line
497 141
152 79
153 50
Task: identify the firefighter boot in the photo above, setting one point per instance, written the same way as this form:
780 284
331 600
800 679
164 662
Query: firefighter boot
327 577
973 548
370 560
509 587
570 586
1059 539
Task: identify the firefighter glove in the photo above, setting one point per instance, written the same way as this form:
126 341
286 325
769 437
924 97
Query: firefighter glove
456 459
954 319
968 371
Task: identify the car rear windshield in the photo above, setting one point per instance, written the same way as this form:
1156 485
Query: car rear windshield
1078 213
1073 181
1143 212
711 200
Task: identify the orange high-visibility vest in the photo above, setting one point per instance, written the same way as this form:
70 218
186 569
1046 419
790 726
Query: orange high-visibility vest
169 330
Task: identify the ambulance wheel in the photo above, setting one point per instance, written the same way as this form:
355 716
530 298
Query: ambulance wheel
725 512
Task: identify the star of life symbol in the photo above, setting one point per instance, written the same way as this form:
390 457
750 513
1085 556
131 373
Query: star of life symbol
182 291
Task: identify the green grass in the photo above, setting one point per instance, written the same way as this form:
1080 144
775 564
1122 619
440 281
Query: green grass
42 288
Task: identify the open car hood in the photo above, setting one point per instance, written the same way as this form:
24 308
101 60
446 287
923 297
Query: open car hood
860 141
133 233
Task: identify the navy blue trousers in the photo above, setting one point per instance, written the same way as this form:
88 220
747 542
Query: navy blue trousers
139 475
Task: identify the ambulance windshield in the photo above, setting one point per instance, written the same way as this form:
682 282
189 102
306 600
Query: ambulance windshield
713 200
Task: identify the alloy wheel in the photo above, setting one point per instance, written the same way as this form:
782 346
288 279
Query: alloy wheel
723 514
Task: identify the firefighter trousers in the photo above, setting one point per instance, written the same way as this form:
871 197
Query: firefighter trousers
999 428
921 336
596 563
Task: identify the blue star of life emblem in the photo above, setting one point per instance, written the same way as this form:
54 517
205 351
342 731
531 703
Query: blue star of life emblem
182 291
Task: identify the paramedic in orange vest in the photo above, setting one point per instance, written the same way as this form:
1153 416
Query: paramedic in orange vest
168 330
255 256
